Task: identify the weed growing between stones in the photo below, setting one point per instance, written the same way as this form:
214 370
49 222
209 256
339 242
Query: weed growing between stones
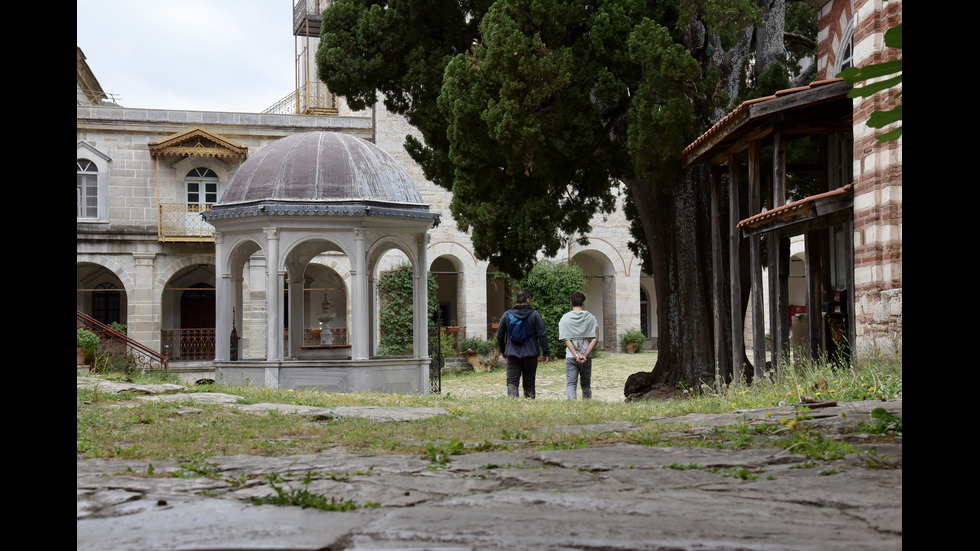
438 454
303 497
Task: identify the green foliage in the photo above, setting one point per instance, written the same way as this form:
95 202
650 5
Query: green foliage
533 112
634 337
302 497
880 119
484 347
396 314
438 454
86 340
884 423
815 445
448 345
551 285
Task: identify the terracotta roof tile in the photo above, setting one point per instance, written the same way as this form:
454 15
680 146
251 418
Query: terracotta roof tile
739 113
794 206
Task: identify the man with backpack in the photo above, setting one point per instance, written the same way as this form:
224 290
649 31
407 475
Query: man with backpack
520 332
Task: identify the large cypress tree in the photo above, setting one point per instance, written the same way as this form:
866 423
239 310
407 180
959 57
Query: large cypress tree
531 110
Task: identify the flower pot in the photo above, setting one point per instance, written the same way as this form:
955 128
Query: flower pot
79 355
630 348
494 325
452 329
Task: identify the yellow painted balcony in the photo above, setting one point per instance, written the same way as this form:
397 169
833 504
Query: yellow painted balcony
183 222
312 98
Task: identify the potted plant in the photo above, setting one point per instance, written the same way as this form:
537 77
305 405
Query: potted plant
452 327
85 343
494 322
315 331
632 340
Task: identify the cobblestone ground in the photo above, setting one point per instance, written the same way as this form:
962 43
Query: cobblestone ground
609 373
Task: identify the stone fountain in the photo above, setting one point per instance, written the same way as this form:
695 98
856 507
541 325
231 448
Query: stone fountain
325 316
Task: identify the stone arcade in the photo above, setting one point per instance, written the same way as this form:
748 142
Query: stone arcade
303 196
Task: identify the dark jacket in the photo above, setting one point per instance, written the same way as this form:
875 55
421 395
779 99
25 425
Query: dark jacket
538 334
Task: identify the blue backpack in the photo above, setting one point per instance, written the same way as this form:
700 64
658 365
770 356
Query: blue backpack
517 329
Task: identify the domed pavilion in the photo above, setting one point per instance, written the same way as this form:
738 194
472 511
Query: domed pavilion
296 200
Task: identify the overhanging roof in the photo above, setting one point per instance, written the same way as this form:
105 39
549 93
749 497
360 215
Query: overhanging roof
820 108
197 141
808 208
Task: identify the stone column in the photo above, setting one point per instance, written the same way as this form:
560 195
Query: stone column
274 285
223 296
361 303
420 300
144 316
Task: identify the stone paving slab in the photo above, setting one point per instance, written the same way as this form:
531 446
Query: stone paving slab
621 497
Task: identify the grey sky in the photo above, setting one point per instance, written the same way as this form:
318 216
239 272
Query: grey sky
202 55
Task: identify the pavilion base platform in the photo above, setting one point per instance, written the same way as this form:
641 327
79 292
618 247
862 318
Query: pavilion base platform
398 375
324 352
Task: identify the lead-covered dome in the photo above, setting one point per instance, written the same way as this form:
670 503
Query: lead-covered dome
322 167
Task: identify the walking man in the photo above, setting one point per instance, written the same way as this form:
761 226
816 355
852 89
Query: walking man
520 332
580 331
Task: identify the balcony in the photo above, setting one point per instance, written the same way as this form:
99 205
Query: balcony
183 222
307 15
312 98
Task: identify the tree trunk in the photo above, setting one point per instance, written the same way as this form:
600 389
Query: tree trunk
678 229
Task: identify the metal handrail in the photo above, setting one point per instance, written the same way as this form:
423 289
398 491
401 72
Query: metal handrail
147 354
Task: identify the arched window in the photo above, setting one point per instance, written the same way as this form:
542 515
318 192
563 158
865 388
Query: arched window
202 189
105 303
87 190
845 51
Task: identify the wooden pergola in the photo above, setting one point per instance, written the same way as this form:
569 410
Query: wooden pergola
825 219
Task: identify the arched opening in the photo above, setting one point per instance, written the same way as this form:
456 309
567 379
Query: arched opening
188 314
600 292
448 274
315 308
648 309
325 300
100 293
499 297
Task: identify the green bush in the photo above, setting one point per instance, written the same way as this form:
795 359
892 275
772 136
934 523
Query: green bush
396 312
483 347
86 339
551 286
634 337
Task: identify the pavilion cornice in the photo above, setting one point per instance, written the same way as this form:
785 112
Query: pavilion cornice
197 141
349 209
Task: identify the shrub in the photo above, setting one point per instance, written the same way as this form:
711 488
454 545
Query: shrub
634 337
86 340
551 286
396 311
484 347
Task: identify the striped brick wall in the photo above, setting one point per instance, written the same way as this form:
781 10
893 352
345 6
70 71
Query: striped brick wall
877 192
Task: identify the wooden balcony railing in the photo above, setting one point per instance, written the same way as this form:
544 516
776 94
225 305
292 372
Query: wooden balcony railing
183 222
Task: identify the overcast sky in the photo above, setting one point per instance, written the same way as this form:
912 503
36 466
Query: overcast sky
201 55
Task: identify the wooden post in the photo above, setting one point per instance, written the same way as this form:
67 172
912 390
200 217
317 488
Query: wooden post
718 289
734 259
755 261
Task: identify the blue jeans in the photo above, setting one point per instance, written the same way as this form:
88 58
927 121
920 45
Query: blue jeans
574 370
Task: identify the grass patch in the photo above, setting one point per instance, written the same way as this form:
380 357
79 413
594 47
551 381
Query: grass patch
479 417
